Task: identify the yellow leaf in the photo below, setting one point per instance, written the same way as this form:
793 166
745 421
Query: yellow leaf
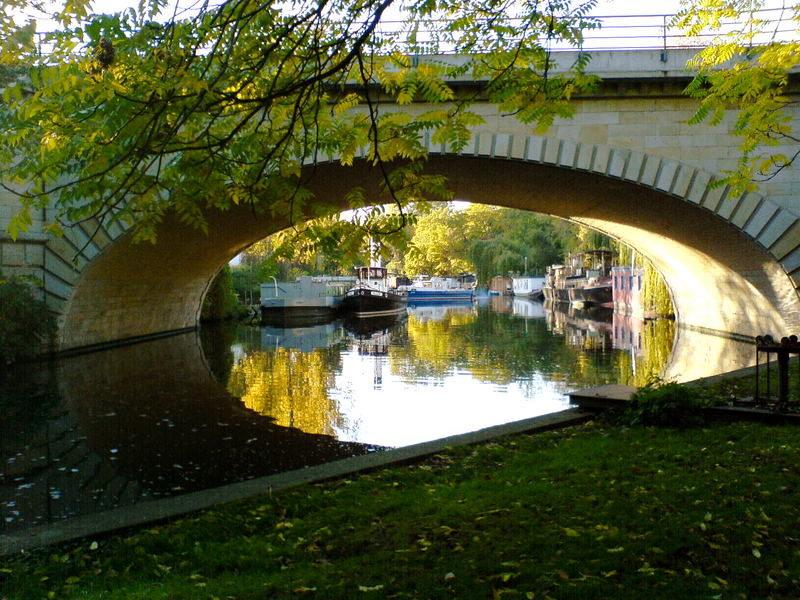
571 532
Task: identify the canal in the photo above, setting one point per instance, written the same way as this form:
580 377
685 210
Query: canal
225 404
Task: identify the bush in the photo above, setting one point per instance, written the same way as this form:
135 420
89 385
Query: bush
27 327
667 404
221 302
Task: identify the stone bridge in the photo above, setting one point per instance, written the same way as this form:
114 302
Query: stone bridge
627 164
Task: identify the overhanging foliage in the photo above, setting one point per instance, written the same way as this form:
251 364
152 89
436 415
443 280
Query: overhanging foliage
222 107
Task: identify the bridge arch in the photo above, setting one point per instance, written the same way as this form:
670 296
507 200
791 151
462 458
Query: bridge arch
727 260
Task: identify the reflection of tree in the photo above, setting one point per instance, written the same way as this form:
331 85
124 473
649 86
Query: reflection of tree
216 340
497 348
433 348
290 386
657 339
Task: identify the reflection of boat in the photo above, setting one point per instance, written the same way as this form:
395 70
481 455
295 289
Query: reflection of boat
364 328
584 280
440 289
530 287
430 311
290 319
587 328
371 297
502 305
307 297
373 336
304 339
527 308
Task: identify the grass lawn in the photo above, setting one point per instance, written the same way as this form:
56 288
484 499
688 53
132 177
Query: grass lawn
596 511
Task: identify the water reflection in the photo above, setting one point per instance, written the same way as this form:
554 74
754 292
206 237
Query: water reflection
586 328
138 422
199 410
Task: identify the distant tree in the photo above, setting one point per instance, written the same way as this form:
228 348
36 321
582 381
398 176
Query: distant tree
746 67
503 241
438 244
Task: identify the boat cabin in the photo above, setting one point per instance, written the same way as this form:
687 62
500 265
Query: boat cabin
590 263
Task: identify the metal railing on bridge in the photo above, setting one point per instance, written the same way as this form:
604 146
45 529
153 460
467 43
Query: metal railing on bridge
611 32
631 32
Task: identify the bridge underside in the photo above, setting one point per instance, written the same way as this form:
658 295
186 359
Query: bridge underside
721 280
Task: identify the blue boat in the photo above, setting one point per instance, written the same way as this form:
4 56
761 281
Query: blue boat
441 289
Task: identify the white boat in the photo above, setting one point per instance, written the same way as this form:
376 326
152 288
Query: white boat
529 287
309 296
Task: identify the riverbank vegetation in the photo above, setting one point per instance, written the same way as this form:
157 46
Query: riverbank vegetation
221 301
27 326
596 511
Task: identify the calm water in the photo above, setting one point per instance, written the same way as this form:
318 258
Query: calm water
198 410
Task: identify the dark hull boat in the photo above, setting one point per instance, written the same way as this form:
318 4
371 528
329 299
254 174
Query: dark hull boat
371 297
594 295
584 281
364 301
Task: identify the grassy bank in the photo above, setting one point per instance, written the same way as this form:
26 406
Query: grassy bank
591 512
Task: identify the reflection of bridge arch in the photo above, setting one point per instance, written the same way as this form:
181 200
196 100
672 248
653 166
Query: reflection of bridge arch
721 258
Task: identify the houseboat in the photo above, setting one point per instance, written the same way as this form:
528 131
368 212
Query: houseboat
528 287
584 280
589 281
371 296
627 290
307 298
553 288
501 286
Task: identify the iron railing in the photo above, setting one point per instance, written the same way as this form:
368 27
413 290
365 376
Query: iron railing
775 394
615 32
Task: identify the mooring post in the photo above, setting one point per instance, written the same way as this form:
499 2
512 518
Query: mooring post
783 378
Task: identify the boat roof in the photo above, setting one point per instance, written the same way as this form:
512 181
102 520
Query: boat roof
611 252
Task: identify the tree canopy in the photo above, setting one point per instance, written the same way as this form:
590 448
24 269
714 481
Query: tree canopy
127 116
